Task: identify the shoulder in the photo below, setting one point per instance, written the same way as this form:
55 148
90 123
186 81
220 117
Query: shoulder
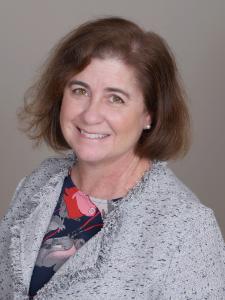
170 187
53 165
43 175
167 206
47 169
161 188
171 192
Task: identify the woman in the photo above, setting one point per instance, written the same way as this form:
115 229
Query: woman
110 220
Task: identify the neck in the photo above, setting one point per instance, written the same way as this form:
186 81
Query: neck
109 180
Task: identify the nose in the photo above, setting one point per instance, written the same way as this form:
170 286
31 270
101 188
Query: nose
93 112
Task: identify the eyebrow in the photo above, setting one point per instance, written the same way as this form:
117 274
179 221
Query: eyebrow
72 82
112 89
109 89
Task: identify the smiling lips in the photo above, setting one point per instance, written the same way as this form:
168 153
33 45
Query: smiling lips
92 135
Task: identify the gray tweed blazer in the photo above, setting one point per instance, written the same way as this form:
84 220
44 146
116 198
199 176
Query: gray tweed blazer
159 242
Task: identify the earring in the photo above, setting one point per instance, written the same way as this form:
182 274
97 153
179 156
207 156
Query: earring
147 127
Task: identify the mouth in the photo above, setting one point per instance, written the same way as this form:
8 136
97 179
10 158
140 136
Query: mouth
92 135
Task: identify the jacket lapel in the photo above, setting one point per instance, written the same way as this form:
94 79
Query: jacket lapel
86 261
27 232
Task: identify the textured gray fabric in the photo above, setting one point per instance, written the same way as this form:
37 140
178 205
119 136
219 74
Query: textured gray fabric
159 242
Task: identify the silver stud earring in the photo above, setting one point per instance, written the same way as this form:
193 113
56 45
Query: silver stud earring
147 127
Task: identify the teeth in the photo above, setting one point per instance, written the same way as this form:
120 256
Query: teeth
93 135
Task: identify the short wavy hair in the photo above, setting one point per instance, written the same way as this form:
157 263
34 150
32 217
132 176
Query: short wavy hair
155 70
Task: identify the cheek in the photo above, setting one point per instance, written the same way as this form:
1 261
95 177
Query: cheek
64 116
61 115
66 110
63 107
132 123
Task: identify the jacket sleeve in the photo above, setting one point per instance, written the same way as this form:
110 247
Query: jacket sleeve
12 203
5 225
197 269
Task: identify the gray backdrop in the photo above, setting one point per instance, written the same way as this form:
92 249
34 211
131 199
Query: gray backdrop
195 29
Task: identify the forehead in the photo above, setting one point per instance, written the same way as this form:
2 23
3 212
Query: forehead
108 71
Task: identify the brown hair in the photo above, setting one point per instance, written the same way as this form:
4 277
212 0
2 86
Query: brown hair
155 69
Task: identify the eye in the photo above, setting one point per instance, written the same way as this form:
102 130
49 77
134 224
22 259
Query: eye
116 99
80 91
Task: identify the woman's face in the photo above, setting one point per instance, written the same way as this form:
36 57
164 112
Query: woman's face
103 113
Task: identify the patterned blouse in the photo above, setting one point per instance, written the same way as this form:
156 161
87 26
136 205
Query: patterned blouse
76 218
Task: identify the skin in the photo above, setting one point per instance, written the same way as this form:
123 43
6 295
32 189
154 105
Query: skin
102 118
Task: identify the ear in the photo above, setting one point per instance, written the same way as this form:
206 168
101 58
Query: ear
148 119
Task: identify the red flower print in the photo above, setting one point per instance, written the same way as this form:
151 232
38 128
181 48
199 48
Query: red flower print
78 204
